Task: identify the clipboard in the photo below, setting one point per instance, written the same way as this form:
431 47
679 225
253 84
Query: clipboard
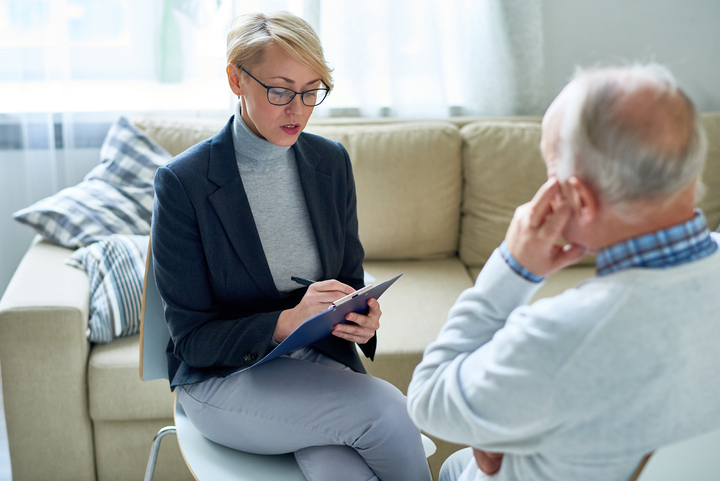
321 325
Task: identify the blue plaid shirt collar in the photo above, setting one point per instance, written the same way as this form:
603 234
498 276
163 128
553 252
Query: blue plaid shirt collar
676 245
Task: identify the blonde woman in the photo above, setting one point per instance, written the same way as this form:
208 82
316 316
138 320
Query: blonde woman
236 218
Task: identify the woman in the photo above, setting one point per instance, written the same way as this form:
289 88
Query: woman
236 218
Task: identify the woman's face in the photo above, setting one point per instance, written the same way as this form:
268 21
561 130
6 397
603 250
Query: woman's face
278 124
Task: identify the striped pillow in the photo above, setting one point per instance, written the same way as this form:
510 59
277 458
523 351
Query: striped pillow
116 197
116 269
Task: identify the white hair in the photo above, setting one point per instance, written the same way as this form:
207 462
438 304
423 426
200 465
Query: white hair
630 161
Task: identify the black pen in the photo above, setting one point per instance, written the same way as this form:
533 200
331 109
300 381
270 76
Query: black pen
300 280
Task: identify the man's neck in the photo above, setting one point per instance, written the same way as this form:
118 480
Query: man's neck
614 227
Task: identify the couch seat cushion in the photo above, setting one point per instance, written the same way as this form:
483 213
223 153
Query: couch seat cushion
116 392
416 306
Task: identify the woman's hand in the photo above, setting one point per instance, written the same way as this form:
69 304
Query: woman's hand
365 326
319 296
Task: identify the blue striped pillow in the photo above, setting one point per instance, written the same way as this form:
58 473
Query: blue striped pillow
116 269
116 197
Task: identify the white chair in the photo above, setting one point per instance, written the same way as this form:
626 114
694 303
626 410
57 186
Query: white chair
696 459
205 459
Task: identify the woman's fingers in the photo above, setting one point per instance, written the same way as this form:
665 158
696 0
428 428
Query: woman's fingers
321 294
363 327
318 297
331 286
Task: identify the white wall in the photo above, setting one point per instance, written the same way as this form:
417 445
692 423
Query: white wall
684 35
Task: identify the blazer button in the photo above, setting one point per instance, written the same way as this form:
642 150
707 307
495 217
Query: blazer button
249 357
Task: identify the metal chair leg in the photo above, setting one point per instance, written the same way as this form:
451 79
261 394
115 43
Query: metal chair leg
150 470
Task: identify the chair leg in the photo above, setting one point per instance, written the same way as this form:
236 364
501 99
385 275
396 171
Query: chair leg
150 470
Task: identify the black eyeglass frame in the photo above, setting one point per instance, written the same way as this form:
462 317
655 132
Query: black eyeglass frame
301 94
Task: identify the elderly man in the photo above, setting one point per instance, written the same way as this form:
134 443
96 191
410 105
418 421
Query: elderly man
581 386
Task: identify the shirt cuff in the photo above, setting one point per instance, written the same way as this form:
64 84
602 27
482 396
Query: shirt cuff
516 266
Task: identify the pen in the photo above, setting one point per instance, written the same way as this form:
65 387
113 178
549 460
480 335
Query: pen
300 280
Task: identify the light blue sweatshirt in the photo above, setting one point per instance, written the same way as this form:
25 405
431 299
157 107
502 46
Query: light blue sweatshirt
578 386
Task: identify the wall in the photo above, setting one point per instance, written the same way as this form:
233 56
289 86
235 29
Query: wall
681 34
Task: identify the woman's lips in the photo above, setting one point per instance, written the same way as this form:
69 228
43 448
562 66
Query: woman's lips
290 129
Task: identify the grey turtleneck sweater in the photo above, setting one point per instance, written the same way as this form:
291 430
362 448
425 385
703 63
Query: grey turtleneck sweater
272 183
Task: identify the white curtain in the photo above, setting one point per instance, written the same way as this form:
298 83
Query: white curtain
69 68
434 58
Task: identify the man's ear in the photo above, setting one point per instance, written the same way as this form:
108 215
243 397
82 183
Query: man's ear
233 74
582 200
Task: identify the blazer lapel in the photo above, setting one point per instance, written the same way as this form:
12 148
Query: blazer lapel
319 196
233 209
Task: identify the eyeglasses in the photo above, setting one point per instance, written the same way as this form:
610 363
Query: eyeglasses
283 96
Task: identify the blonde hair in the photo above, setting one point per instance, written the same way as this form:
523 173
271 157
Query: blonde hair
251 33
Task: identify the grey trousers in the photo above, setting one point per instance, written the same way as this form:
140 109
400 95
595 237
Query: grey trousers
340 424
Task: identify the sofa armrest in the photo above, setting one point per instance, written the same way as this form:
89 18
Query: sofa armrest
43 357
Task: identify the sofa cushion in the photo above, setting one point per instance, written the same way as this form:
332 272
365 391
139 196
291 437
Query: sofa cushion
710 203
115 268
417 306
115 390
414 310
409 182
503 169
116 197
122 448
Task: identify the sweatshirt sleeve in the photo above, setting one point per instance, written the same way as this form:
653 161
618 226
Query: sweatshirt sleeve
484 381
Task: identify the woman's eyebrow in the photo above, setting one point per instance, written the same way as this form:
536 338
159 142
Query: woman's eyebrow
290 81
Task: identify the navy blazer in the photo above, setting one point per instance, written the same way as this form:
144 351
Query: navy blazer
221 303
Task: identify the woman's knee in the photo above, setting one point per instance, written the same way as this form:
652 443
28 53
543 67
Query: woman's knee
388 408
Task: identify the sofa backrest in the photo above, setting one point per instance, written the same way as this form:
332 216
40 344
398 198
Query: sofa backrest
413 176
408 178
710 203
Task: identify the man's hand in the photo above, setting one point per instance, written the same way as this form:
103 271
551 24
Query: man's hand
489 463
535 229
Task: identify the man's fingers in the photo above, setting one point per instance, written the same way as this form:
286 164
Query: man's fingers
556 221
570 254
540 204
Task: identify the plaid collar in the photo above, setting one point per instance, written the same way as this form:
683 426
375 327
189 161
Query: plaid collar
676 245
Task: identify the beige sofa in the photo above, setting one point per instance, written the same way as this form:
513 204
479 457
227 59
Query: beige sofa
434 200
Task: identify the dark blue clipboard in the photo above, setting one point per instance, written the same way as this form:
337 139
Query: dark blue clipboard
321 325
